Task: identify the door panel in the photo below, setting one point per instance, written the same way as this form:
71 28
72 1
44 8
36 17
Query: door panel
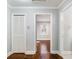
18 35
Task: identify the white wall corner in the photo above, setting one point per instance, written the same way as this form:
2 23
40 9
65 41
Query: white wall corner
64 54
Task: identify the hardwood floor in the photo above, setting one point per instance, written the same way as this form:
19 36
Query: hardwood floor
36 56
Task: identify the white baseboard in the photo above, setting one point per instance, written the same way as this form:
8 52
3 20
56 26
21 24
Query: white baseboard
9 53
66 52
54 52
61 52
30 52
27 52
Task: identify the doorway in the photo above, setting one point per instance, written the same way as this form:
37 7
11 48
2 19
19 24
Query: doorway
43 33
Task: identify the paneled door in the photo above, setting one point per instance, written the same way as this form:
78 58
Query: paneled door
18 33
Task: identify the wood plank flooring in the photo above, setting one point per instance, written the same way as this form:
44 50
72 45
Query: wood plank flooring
36 56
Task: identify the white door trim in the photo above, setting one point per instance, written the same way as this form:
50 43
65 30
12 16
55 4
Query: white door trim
51 15
24 31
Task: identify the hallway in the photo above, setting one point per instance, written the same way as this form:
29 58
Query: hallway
39 29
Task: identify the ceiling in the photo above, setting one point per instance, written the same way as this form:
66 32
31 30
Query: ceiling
45 3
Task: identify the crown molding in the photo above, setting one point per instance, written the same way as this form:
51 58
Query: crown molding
64 4
60 6
30 7
66 7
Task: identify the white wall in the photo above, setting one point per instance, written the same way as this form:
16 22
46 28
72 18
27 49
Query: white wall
30 16
8 29
65 22
66 28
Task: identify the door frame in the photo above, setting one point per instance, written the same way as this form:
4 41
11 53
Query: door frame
51 29
25 15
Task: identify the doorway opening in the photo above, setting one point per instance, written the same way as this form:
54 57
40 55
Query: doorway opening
43 33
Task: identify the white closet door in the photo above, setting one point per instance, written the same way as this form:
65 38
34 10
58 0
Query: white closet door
18 33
